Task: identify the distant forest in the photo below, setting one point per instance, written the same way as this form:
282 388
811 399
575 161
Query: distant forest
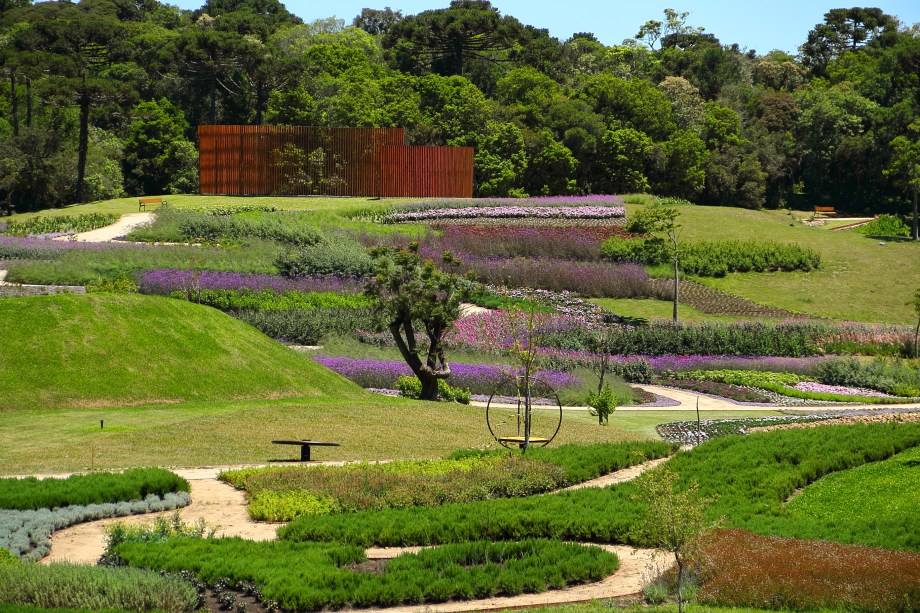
102 98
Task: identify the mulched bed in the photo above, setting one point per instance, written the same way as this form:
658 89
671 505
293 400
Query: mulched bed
715 302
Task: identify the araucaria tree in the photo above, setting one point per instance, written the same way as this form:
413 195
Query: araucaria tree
412 291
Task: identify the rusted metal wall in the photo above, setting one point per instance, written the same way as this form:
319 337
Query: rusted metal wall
416 172
300 161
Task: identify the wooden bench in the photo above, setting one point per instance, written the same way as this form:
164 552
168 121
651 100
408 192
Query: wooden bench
143 203
519 440
825 210
305 447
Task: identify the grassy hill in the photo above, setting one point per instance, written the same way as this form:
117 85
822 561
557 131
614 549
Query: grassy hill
108 350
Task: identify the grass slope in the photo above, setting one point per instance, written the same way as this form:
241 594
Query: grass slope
858 280
107 350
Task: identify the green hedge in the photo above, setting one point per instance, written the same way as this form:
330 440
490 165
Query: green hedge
134 484
894 378
714 258
267 300
312 577
749 478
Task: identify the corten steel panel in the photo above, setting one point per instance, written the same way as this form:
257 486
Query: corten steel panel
300 160
427 172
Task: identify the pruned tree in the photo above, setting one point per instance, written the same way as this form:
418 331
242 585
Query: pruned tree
674 520
410 290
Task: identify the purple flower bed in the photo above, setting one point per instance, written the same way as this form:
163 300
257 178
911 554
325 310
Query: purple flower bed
497 330
800 366
463 203
166 281
539 212
479 378
30 247
821 388
594 279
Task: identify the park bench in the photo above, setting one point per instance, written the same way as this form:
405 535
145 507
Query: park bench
143 203
519 440
305 447
825 210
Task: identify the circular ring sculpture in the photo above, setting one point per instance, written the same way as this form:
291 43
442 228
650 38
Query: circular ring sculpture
522 435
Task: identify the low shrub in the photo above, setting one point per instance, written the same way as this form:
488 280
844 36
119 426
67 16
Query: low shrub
163 282
715 259
336 255
314 577
27 533
95 488
266 300
160 531
556 242
885 225
283 494
91 587
890 377
61 224
411 387
174 225
747 570
747 479
594 279
310 327
280 494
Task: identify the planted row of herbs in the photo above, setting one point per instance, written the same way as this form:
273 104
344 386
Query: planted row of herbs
748 479
312 577
284 493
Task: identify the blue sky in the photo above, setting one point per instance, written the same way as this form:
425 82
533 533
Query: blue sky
776 24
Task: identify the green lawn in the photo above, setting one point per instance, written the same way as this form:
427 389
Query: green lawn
100 350
859 279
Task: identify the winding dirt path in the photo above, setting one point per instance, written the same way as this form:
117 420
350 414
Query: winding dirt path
219 503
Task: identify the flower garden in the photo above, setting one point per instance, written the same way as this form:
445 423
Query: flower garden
498 526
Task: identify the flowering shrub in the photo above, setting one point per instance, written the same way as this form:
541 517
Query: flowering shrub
541 201
540 212
840 390
309 327
894 378
594 279
166 281
478 378
866 339
559 242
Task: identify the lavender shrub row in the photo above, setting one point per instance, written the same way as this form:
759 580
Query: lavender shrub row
594 279
504 212
478 378
165 281
540 201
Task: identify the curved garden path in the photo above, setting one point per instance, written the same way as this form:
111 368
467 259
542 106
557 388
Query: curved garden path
124 225
221 504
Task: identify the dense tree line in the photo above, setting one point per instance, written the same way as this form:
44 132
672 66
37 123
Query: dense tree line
102 98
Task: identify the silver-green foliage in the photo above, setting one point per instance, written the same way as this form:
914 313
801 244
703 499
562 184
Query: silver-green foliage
91 587
27 533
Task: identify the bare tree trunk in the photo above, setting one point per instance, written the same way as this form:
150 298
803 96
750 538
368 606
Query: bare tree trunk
83 142
14 104
28 102
680 587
